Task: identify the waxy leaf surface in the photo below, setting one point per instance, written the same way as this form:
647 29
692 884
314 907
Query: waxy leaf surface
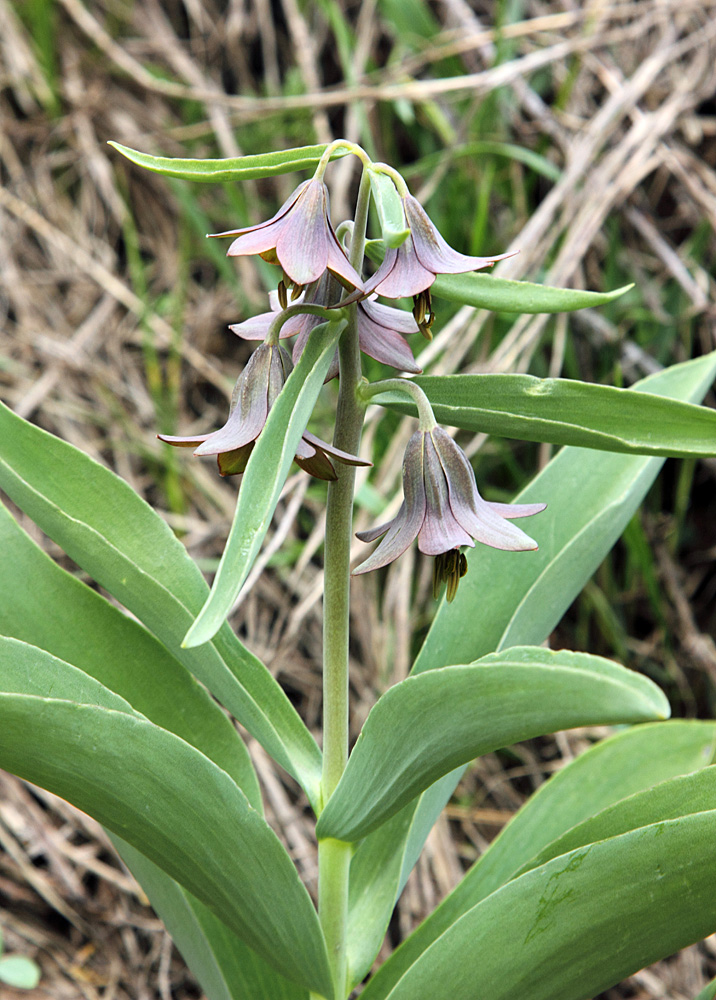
107 529
486 291
580 923
225 967
62 615
389 206
614 769
265 475
512 599
232 169
426 726
169 802
562 411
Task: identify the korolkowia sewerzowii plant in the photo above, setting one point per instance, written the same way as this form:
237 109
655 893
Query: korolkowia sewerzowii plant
609 866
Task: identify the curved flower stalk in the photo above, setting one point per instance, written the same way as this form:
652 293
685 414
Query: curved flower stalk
254 394
381 329
444 510
300 238
412 267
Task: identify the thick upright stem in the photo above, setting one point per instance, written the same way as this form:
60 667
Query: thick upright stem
333 855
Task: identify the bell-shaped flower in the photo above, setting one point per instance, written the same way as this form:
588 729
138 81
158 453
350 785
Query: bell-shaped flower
254 394
300 238
381 328
443 509
411 268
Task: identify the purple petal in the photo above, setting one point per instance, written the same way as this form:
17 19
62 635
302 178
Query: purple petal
469 509
337 453
513 510
255 328
432 250
370 534
318 465
258 240
247 418
183 442
440 531
302 246
404 528
384 344
394 319
293 197
404 274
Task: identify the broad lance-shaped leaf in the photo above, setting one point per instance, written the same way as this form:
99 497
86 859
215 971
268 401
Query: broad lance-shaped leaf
627 763
60 614
581 923
172 804
232 169
562 411
682 796
225 967
265 476
425 726
591 499
486 291
126 547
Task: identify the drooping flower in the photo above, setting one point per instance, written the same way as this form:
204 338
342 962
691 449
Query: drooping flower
444 511
300 238
254 394
410 269
381 329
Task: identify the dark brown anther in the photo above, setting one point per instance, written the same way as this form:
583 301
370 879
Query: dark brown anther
282 294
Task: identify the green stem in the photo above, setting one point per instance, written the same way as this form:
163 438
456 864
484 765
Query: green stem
282 317
425 411
334 855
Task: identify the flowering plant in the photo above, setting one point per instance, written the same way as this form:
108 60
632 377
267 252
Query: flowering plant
607 867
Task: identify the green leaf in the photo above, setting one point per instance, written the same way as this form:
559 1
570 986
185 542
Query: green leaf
265 476
708 992
225 967
620 766
581 923
591 499
232 169
60 614
389 206
126 547
562 411
682 796
172 804
425 726
486 291
20 972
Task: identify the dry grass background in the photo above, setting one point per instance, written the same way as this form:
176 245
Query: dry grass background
113 325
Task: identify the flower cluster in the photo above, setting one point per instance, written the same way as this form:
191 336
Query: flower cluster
442 508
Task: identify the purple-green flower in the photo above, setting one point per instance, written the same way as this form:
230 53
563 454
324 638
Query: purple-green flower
300 238
410 269
381 328
254 394
444 510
